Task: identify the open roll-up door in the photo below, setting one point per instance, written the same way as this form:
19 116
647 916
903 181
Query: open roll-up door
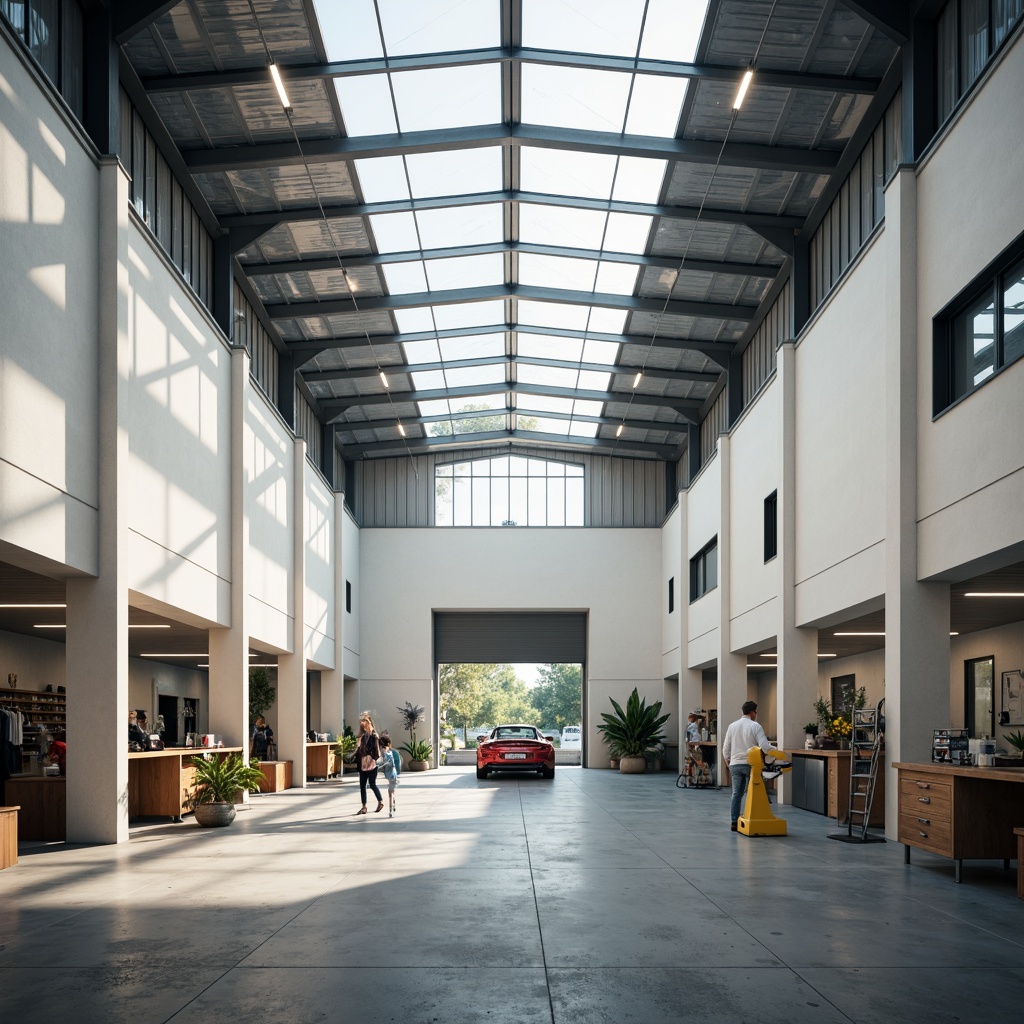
514 637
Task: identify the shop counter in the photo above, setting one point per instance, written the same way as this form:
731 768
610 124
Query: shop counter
821 783
277 775
160 782
43 803
959 812
8 837
319 760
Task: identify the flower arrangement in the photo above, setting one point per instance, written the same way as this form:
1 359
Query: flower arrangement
840 728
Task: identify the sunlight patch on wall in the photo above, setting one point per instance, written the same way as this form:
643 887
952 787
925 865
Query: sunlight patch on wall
14 172
50 280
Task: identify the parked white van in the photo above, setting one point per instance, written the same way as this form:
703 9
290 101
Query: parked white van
572 737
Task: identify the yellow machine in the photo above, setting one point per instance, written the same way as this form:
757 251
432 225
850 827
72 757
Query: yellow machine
757 818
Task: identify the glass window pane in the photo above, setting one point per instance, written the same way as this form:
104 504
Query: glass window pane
448 97
517 465
469 314
413 321
463 469
672 30
574 499
73 56
867 209
711 567
638 179
973 40
366 105
443 497
607 321
460 225
616 278
1004 14
654 106
382 178
945 62
537 510
557 272
479 346
580 428
599 26
349 30
547 346
149 213
627 233
435 26
394 232
574 97
561 225
453 172
481 501
405 278
973 346
1013 315
517 500
466 272
499 500
462 504
44 36
563 173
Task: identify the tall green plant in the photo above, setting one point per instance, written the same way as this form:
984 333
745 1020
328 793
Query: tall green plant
220 778
262 693
637 729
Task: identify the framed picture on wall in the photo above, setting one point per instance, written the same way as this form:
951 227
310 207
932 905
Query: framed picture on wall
1011 708
843 694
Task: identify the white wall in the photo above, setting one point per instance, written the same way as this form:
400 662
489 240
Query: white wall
672 567
970 208
351 621
49 236
38 663
615 575
840 500
703 522
319 539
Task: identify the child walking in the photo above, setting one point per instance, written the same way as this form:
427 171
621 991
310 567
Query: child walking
392 769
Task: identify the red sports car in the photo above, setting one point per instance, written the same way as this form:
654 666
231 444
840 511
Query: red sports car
515 748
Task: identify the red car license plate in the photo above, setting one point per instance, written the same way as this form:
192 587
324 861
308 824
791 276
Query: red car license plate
515 757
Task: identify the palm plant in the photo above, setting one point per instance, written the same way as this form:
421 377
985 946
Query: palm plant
1016 739
220 778
418 750
637 729
412 715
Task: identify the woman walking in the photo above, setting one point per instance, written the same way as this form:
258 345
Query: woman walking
367 753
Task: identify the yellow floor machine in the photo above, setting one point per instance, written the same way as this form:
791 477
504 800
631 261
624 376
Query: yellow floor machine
757 818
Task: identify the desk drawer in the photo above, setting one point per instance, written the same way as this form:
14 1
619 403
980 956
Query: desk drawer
927 833
927 797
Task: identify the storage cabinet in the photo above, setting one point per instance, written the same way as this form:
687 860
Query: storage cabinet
821 783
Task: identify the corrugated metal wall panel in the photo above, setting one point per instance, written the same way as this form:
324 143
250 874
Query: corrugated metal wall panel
516 637
617 492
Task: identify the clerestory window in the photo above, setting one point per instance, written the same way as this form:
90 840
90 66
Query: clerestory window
508 490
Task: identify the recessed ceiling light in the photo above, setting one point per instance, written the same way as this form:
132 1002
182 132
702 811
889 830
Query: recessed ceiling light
768 655
860 634
954 634
742 91
49 625
200 654
992 593
33 606
828 655
148 625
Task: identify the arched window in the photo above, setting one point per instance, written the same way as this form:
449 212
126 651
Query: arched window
510 490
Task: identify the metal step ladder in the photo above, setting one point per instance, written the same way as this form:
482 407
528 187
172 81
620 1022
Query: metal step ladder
866 758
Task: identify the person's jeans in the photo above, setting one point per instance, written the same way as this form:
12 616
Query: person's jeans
368 778
740 780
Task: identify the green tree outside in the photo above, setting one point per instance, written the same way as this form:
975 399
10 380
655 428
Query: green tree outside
558 695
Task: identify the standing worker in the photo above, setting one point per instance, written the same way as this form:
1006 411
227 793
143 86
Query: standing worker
743 734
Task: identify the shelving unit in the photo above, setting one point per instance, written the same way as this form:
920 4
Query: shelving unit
40 710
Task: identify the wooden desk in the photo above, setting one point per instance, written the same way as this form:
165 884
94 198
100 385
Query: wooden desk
160 782
43 802
8 837
836 771
277 775
960 813
319 760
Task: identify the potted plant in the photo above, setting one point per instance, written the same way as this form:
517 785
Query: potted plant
419 751
217 781
1016 739
811 730
633 732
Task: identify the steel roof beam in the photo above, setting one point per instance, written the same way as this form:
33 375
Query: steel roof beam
328 263
130 19
303 351
487 438
766 77
892 20
403 369
455 296
314 151
335 407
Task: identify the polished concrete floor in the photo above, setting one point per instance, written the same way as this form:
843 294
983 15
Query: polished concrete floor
596 897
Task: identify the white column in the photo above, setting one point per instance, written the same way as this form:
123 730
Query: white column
916 614
97 609
291 666
332 681
229 648
797 647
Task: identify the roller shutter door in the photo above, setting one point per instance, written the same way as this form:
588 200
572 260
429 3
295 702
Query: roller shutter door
515 637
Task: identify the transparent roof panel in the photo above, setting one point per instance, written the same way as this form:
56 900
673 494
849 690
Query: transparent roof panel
638 180
571 317
445 406
600 351
616 278
672 29
561 225
460 225
413 321
598 26
435 26
349 30
421 351
548 346
574 97
448 97
405 278
562 377
382 178
366 105
452 172
474 347
654 106
394 232
465 272
563 173
459 377
469 314
549 403
557 272
627 233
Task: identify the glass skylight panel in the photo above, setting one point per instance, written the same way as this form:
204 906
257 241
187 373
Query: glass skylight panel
639 179
598 26
428 380
476 425
448 97
557 272
607 321
580 429
600 352
544 425
563 377
561 172
548 346
478 347
349 30
581 98
405 278
561 225
543 403
366 105
453 172
460 225
627 232
552 314
476 402
413 321
421 351
466 272
654 105
672 29
394 232
435 26
469 314
616 278
475 376
382 178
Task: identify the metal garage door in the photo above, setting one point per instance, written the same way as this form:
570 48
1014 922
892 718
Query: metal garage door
515 637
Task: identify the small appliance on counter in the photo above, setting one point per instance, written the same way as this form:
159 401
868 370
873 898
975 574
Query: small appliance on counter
984 752
951 746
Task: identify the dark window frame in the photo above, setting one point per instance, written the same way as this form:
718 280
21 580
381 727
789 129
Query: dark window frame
969 697
348 595
771 526
703 581
671 595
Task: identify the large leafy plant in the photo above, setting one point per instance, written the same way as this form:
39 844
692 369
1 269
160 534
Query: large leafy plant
220 778
412 715
418 750
635 731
